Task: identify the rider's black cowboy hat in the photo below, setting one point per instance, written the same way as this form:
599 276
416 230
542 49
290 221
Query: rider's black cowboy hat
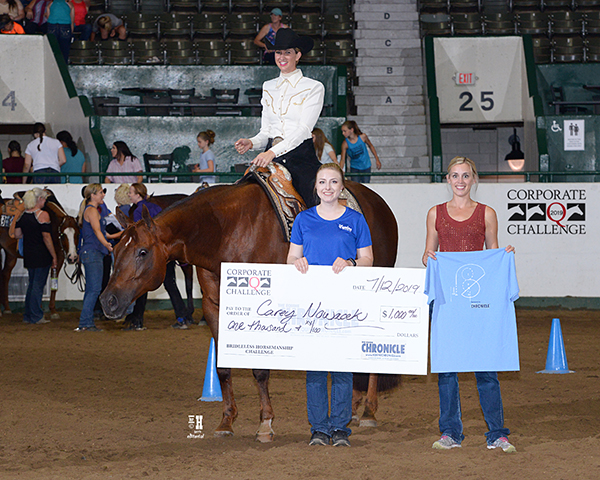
287 38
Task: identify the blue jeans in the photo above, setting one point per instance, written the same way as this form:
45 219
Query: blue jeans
35 291
85 29
317 402
361 178
46 180
489 398
64 35
94 267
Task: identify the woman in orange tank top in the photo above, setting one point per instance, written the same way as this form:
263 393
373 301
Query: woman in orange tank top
464 225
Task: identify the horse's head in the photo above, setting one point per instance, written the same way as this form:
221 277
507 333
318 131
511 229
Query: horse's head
68 234
68 231
140 265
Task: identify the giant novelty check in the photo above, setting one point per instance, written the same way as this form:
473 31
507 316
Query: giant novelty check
360 320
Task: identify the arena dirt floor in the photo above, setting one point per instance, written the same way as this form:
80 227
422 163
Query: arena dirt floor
115 405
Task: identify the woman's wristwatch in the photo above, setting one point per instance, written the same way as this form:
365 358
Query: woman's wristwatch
352 261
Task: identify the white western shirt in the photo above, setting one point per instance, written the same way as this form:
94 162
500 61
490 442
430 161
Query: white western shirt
291 107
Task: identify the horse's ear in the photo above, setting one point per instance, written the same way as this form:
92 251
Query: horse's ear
147 218
123 219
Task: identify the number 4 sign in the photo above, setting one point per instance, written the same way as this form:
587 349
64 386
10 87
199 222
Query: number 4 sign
10 100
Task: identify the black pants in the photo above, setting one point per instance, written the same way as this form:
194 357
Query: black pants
302 162
170 285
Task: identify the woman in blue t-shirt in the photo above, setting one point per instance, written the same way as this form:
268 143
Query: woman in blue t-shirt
330 234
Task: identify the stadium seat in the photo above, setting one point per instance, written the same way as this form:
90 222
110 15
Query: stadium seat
244 52
207 24
100 109
184 6
467 23
567 48
534 23
211 52
84 52
226 98
307 24
566 22
115 52
502 23
204 111
147 52
175 24
142 25
435 24
339 25
156 98
180 96
307 6
240 25
541 49
179 51
339 51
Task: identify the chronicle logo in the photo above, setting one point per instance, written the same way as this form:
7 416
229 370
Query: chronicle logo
561 212
248 282
382 349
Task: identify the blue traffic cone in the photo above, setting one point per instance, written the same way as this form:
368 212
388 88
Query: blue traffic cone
556 360
211 392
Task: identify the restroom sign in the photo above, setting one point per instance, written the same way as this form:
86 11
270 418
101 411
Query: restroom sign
574 131
465 78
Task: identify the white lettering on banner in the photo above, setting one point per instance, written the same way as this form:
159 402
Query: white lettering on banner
353 319
554 216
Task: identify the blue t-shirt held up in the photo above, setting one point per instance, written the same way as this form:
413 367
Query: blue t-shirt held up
474 327
325 240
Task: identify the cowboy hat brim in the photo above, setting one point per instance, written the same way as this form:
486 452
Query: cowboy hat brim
287 38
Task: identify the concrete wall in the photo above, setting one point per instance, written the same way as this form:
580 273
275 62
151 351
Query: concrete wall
30 70
551 262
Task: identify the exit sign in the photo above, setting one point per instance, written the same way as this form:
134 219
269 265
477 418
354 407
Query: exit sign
465 78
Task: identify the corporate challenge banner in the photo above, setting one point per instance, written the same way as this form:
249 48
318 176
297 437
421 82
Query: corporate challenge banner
360 320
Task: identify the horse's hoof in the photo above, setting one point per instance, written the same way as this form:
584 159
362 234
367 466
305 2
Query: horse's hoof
368 422
265 437
55 316
223 433
355 419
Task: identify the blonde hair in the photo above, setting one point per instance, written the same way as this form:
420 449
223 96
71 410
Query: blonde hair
122 194
31 197
464 160
105 23
87 196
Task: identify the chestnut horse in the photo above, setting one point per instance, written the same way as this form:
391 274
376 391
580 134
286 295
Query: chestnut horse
223 223
65 235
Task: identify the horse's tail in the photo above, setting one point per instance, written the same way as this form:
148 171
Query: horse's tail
385 381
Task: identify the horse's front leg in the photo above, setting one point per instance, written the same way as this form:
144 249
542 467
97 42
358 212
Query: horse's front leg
188 273
225 428
371 403
54 315
9 265
264 433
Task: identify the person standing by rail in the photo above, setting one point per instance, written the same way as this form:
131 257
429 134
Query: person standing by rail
464 225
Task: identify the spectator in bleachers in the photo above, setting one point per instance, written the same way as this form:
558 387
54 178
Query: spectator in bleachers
14 163
13 8
355 146
43 155
207 159
323 147
123 162
35 12
268 33
75 160
9 26
109 26
81 10
61 18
